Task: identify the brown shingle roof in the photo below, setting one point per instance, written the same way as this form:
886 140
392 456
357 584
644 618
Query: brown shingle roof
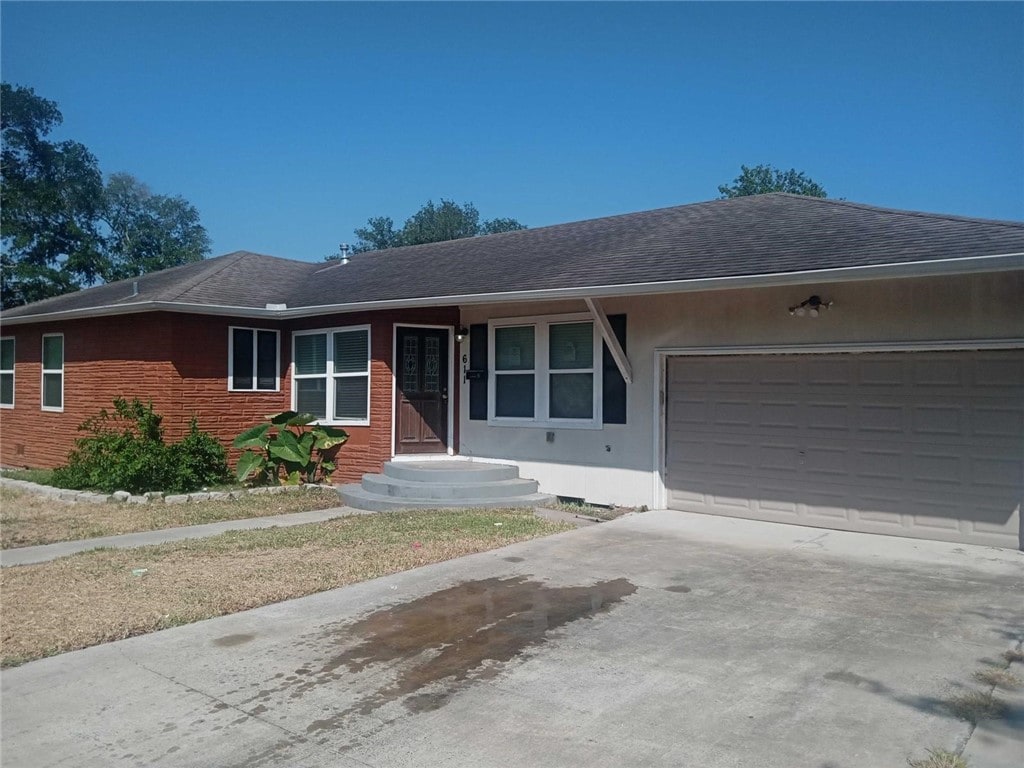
761 235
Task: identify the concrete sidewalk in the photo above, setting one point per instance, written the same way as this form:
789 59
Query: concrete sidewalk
45 552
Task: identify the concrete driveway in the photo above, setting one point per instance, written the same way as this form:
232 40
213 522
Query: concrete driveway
661 639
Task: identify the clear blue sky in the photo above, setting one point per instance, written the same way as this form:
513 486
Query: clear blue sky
289 124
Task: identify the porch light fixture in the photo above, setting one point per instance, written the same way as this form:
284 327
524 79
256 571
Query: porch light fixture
812 307
460 334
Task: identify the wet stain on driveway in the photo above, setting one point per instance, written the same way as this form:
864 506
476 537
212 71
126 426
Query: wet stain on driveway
229 641
456 636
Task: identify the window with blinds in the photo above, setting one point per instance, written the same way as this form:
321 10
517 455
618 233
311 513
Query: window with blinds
332 374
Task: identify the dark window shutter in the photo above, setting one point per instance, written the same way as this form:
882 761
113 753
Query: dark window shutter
478 362
614 386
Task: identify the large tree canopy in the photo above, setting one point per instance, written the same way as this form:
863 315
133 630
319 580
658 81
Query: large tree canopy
50 193
147 232
762 179
61 227
430 224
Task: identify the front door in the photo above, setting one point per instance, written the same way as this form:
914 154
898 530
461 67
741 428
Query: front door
421 394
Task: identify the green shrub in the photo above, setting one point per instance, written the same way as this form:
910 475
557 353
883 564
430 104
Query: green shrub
197 461
125 451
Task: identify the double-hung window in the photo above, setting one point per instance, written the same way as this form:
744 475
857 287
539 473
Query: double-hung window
543 372
253 360
7 372
53 372
332 374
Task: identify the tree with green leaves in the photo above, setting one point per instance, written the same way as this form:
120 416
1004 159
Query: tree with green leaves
762 179
50 194
147 232
430 224
61 228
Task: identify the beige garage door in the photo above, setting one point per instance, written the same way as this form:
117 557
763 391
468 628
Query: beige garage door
924 444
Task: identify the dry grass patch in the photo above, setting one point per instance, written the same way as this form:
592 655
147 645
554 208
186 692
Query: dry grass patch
594 511
1014 654
104 595
999 677
27 519
939 758
976 705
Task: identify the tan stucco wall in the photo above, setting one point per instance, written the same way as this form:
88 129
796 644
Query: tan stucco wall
617 464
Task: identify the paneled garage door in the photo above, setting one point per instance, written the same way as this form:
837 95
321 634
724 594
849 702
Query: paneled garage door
924 444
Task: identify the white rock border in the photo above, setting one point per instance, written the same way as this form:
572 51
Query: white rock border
152 497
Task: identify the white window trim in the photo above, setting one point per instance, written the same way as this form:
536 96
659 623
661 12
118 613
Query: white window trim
45 371
331 375
14 378
255 362
541 372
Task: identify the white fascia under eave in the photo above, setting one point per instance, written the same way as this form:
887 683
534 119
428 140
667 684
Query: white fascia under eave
972 265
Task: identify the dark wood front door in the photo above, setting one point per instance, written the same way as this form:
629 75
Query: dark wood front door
421 394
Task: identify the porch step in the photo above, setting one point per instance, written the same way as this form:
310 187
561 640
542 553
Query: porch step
440 484
450 471
420 489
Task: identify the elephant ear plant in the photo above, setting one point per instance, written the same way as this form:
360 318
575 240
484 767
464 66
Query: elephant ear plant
285 451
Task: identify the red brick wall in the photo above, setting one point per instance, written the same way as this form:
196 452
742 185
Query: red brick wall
180 362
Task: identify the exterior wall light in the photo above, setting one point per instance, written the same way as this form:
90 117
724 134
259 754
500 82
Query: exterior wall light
460 334
812 307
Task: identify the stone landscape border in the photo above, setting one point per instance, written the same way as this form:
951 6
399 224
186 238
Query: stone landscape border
69 496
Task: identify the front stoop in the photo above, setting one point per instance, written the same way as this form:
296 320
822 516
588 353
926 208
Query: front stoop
443 484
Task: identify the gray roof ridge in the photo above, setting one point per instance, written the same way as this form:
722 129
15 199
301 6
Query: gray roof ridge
896 211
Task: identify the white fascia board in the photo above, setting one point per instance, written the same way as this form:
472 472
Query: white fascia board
972 265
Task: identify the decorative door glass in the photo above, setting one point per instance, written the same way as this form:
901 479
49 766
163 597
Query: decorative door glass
431 364
410 364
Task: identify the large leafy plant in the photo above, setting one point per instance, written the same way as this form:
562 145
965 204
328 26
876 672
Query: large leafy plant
283 450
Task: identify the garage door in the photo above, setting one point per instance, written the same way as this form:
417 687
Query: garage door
924 444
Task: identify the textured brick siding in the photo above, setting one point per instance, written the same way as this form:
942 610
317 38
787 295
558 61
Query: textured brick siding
101 361
180 362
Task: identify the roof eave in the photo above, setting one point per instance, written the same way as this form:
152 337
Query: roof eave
971 265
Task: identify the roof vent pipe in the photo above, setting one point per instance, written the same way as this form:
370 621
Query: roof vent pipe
135 287
345 250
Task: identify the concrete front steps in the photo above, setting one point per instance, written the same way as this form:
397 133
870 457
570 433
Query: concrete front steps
441 484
